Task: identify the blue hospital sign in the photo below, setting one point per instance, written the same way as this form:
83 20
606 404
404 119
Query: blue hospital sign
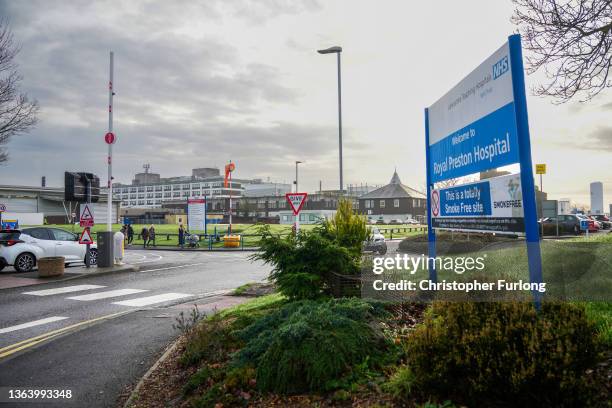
473 127
482 124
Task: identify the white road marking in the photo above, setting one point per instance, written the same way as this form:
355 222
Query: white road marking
149 300
65 289
32 324
129 255
148 260
173 267
107 294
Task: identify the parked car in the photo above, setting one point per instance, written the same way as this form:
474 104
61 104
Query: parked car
568 224
380 222
395 222
376 243
22 248
603 220
412 221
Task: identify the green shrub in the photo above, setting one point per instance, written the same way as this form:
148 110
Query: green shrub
479 353
303 264
308 345
347 228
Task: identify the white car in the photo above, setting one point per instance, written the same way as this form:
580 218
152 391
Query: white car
21 248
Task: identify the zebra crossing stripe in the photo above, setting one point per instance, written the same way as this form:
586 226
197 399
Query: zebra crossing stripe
65 289
32 324
107 294
150 300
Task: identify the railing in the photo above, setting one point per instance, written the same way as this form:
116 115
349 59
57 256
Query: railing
247 241
401 232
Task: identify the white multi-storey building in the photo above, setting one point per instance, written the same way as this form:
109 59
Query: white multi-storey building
155 194
149 190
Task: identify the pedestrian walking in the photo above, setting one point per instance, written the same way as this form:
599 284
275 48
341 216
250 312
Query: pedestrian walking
123 230
152 235
181 236
145 236
130 234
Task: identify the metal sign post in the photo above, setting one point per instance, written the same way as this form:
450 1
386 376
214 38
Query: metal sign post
541 169
88 246
2 209
109 226
431 234
534 254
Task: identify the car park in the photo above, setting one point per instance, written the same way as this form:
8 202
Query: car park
568 224
23 248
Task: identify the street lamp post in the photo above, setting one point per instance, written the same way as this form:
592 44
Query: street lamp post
337 50
296 175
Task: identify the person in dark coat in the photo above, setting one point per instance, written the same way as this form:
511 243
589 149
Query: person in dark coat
152 235
181 236
130 234
145 236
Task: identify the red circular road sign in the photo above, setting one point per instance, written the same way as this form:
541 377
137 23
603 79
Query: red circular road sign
110 138
435 203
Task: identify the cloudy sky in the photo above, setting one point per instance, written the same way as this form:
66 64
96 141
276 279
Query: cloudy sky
202 82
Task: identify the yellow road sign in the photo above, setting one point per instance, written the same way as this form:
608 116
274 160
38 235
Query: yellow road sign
540 169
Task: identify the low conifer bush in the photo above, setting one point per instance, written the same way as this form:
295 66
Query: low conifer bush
483 354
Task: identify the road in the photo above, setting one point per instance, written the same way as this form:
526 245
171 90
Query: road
96 335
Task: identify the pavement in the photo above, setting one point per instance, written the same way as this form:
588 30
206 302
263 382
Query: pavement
98 334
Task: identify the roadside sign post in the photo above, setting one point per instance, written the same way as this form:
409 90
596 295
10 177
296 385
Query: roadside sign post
431 234
541 169
482 124
296 202
2 209
584 225
534 254
86 220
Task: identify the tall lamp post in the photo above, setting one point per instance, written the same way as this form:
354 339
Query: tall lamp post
337 50
296 175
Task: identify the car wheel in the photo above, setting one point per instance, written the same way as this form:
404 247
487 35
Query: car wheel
25 262
93 256
1 267
382 251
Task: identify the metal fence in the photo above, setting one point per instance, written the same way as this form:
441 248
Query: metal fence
211 242
247 242
401 232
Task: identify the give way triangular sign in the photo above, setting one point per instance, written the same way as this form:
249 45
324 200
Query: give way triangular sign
296 201
86 237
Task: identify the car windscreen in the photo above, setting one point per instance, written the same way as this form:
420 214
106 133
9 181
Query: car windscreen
9 235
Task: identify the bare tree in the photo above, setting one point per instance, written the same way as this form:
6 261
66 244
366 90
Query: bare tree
571 41
17 112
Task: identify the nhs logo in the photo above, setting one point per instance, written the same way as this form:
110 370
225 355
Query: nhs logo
500 67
